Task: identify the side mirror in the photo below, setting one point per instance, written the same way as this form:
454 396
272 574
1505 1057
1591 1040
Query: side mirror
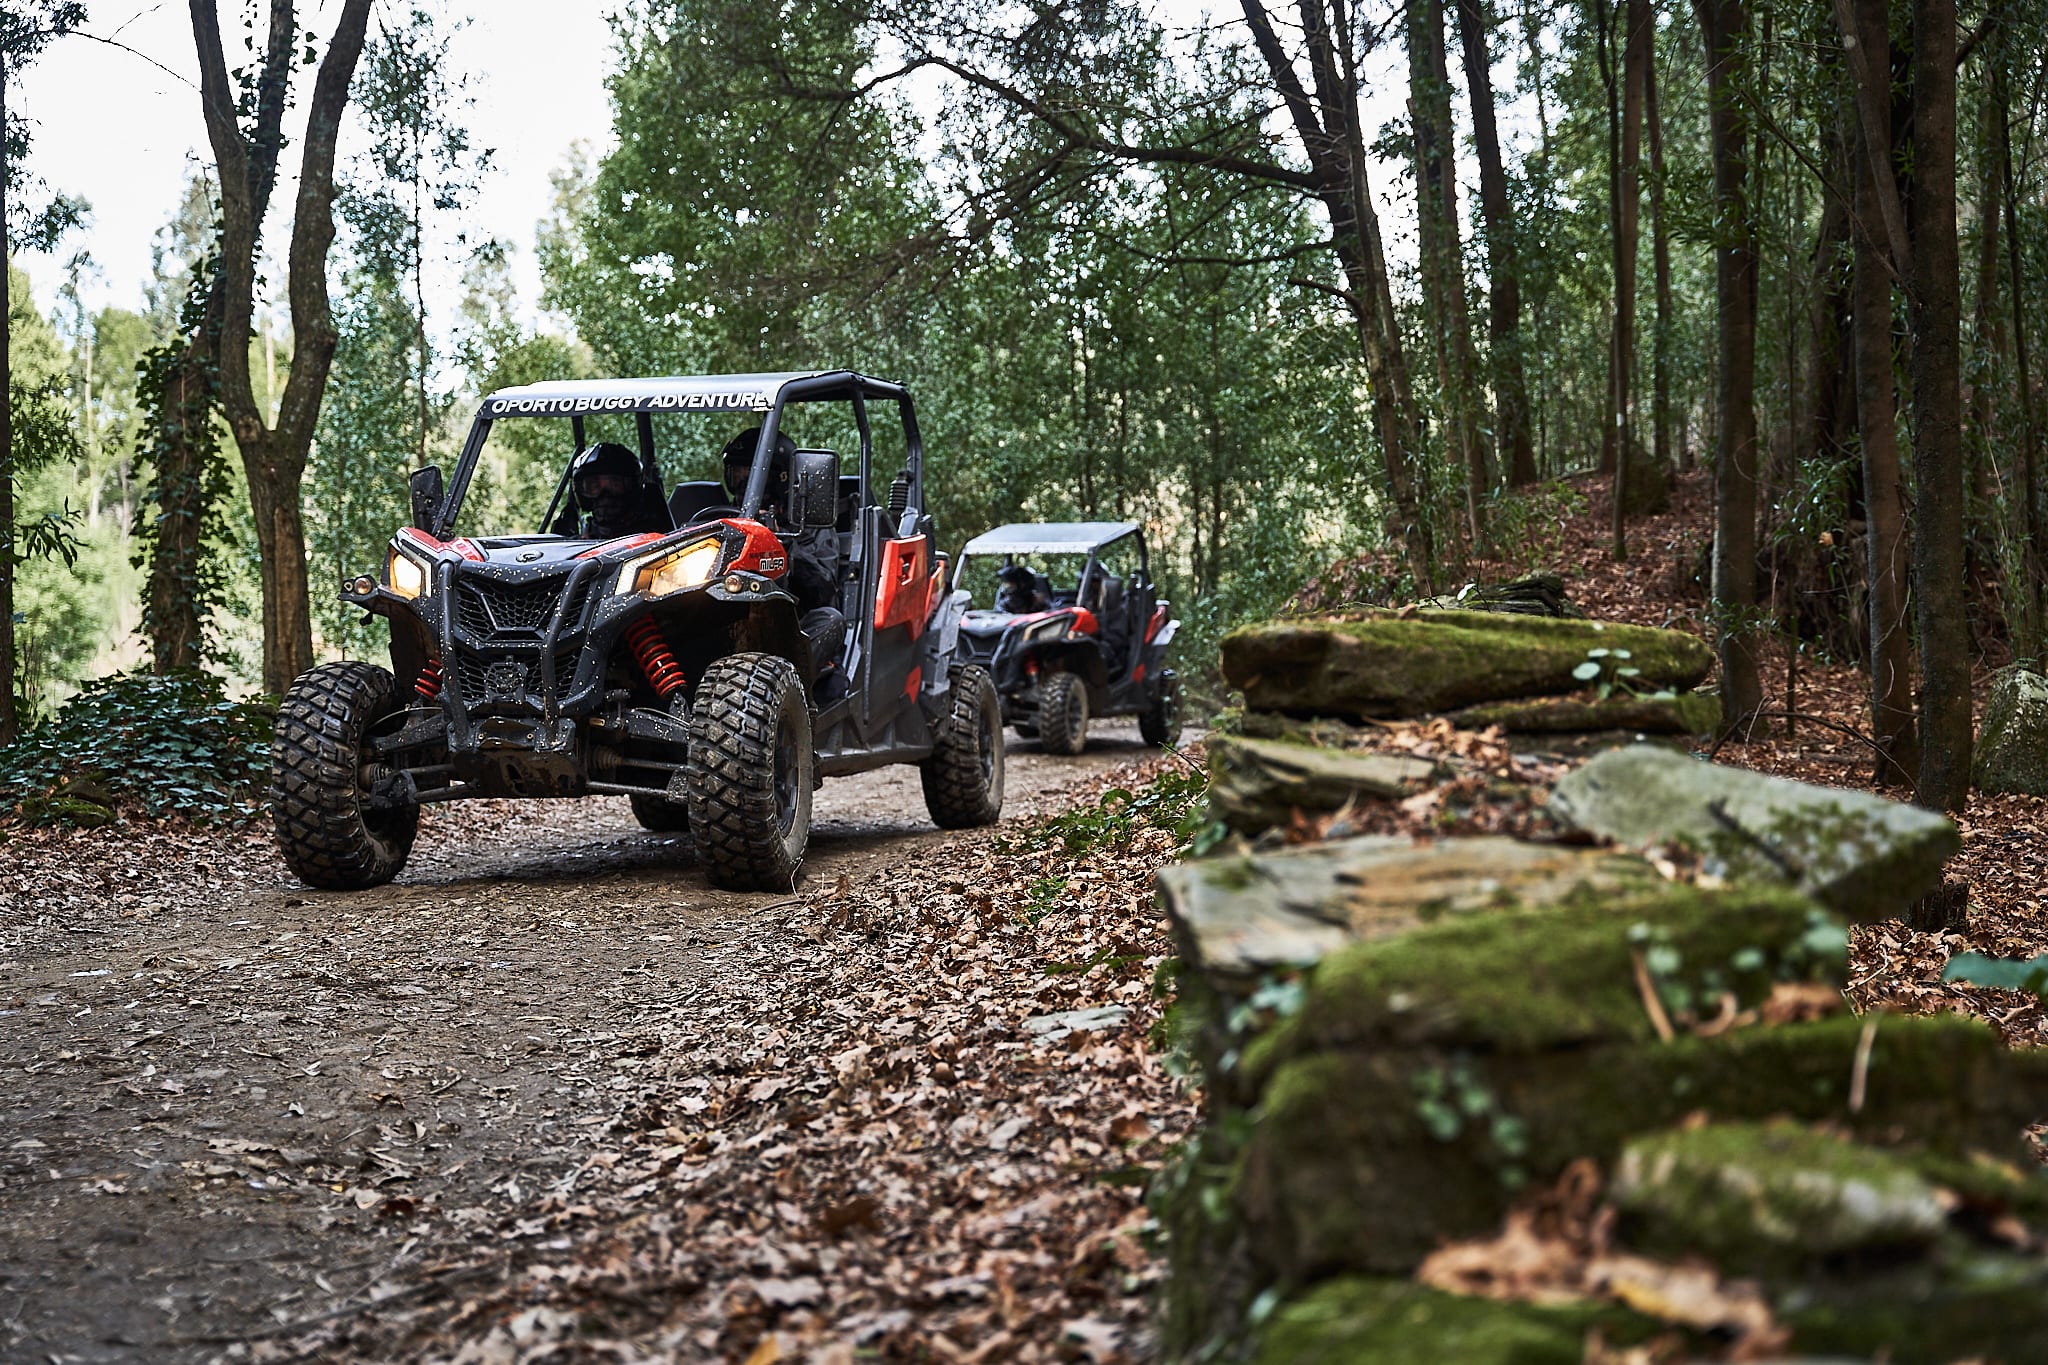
814 488
426 497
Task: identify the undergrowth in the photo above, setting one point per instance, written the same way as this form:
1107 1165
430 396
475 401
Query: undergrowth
1175 801
158 744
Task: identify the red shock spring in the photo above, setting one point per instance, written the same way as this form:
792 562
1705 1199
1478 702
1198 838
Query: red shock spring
657 661
429 684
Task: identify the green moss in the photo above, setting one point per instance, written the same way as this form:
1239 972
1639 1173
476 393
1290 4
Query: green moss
1350 1321
1563 976
1687 713
1341 1169
1392 665
1981 1306
1762 1198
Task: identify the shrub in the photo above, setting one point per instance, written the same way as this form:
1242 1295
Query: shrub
162 744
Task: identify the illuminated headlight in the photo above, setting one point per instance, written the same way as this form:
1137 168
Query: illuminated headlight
407 576
672 570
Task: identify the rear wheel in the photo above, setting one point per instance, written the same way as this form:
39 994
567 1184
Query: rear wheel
1063 713
660 814
329 836
751 770
1160 721
963 779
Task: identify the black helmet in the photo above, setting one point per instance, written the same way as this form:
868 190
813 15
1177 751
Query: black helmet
606 479
739 462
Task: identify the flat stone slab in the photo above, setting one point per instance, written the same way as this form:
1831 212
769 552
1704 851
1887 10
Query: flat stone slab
2012 746
1257 784
1687 713
1053 1027
1243 915
1417 662
1862 856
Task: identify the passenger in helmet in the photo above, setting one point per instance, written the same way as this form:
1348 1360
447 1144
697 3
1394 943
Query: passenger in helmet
608 494
813 558
1023 591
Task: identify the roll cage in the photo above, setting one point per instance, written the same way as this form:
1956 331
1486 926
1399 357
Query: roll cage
761 395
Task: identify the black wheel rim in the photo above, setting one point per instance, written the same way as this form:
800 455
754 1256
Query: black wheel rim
785 776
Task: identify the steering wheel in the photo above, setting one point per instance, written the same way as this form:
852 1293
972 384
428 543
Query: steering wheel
718 513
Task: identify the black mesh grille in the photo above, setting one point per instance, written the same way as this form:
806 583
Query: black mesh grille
486 608
477 676
565 671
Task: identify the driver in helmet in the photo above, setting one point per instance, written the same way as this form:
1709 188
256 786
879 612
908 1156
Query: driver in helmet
1023 591
610 500
813 557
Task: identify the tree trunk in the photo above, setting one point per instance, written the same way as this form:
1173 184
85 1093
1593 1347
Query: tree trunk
10 719
1627 240
1891 669
2032 530
274 456
1442 257
1936 367
1333 139
1504 285
1725 25
1660 256
174 599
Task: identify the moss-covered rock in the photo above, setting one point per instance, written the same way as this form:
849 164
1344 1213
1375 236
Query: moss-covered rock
1387 664
1863 856
1353 1320
1367 1159
1685 713
2012 745
1973 1306
1258 784
1238 916
1771 1198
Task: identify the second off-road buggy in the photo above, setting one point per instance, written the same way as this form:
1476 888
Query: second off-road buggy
670 665
1066 619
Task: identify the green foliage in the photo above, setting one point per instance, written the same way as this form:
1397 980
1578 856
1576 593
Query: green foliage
163 744
1175 801
1999 973
185 470
1608 671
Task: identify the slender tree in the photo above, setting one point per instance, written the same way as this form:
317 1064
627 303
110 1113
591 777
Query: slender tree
1725 27
1885 540
1935 295
1442 255
1660 264
245 160
1503 268
25 30
2032 530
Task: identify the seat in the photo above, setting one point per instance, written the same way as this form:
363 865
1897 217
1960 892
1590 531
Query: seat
691 500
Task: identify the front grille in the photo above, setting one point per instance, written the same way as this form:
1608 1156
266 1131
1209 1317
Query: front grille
483 680
524 609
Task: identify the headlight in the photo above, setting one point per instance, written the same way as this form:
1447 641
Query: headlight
1053 628
671 571
407 576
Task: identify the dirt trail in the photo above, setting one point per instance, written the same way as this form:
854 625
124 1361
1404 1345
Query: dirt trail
225 1105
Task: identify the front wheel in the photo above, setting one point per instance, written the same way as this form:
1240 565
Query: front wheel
329 836
1063 712
750 774
963 778
1160 721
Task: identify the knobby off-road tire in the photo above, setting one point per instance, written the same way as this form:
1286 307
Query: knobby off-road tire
963 779
1063 712
1160 721
751 769
327 837
659 814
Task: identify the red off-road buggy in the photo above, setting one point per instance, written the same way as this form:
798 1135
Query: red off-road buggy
1066 619
671 665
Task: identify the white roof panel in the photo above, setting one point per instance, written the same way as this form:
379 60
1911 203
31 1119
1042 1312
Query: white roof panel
1048 538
